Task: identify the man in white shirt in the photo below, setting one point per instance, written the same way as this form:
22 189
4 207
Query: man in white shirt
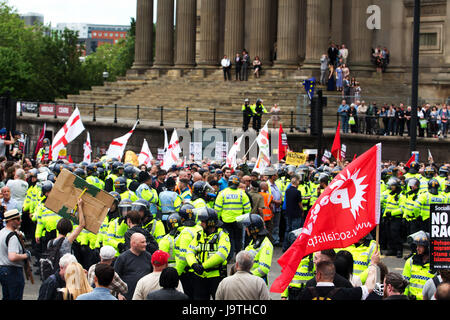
226 66
343 53
150 282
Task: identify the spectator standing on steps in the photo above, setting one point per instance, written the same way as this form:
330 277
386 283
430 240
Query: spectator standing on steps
226 67
247 114
245 64
323 69
238 66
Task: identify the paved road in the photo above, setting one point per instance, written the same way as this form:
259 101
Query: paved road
394 264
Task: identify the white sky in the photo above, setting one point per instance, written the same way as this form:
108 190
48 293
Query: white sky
80 11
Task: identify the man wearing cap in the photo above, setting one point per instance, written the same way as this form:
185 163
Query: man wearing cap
12 257
150 282
118 287
247 114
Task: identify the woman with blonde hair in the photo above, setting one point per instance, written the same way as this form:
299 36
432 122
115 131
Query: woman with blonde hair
76 282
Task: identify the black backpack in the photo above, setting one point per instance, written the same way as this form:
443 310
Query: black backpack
316 296
50 259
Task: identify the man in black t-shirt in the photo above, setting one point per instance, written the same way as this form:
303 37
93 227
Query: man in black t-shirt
294 210
326 290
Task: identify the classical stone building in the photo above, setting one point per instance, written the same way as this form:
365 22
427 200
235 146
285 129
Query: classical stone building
289 36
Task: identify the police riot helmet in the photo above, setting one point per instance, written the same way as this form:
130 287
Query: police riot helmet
233 182
51 177
141 205
120 185
335 171
46 141
420 238
394 183
186 212
91 170
173 221
116 166
129 171
443 171
125 206
116 196
101 173
433 186
413 182
316 177
199 189
254 223
414 167
80 172
213 218
324 178
429 172
46 187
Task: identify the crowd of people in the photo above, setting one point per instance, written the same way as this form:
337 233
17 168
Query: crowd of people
205 231
393 120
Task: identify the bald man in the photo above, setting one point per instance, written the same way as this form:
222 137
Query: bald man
134 263
197 177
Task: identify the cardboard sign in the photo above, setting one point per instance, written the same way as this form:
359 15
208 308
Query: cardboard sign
440 236
63 199
296 158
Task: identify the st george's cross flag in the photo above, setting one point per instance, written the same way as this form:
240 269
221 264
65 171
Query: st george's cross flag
346 211
145 156
232 154
264 149
172 155
118 145
69 132
87 150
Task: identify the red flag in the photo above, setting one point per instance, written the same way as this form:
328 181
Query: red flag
411 160
70 159
354 157
346 211
282 144
336 148
40 141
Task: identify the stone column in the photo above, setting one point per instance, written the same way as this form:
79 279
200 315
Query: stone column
259 36
317 31
288 26
360 37
186 33
302 30
447 35
164 33
209 32
143 53
234 27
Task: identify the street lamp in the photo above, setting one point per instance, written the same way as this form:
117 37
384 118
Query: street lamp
415 76
105 75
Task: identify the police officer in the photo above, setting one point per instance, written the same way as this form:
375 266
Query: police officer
304 273
92 176
230 203
120 186
200 191
392 216
167 243
130 173
425 199
447 190
247 114
260 245
43 155
188 231
116 171
147 192
258 111
113 213
413 172
417 268
154 226
118 226
411 209
80 172
207 255
169 201
443 176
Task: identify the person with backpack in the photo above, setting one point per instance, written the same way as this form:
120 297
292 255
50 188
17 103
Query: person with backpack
62 244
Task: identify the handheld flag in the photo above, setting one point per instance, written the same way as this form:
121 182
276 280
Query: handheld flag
172 154
411 160
69 132
336 148
118 145
145 156
282 144
231 156
346 211
309 86
264 149
87 149
40 141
